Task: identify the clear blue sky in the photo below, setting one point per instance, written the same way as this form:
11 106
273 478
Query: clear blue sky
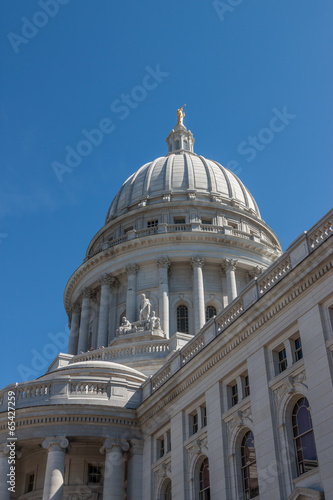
232 66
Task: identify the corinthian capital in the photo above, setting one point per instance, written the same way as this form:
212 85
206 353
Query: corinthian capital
229 265
105 279
86 293
163 262
132 269
255 272
76 308
197 262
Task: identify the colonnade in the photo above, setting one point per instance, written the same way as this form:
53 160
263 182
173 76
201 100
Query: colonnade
79 333
113 482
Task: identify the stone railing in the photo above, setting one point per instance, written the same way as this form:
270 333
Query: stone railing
298 251
94 388
277 273
229 315
73 390
172 228
162 376
192 348
34 391
321 232
114 352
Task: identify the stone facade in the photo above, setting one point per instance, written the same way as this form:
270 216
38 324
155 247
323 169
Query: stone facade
191 336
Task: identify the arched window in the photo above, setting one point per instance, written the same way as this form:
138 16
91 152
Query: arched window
166 495
210 312
305 446
249 466
182 319
204 483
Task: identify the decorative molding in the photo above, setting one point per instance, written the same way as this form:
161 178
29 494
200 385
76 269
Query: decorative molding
287 386
239 419
163 469
71 419
197 447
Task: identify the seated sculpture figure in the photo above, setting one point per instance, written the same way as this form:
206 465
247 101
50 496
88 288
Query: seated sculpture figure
124 327
154 323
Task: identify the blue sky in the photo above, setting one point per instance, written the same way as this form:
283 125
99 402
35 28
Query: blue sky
66 67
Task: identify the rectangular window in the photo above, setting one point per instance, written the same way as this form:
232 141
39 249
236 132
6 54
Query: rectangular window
282 360
206 221
30 480
234 225
179 220
203 410
234 395
298 349
94 474
152 223
194 424
246 386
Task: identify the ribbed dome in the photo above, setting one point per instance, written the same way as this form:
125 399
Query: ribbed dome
182 175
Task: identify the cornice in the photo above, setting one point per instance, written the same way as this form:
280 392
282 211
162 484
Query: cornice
233 342
65 418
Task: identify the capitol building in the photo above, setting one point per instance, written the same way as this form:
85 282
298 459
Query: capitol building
200 357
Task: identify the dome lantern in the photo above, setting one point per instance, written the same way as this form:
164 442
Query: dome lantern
180 139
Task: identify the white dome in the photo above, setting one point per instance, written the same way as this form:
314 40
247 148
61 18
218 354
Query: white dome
182 173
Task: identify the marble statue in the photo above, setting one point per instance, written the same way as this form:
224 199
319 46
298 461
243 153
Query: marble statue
124 327
145 306
154 323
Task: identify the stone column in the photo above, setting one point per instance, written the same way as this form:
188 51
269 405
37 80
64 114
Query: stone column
4 470
163 289
132 271
55 467
113 469
84 322
113 309
263 427
102 334
75 328
229 266
134 475
197 264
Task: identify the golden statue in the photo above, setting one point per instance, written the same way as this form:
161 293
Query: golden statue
181 115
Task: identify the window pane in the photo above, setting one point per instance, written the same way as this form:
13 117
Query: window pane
249 466
210 312
303 437
182 319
